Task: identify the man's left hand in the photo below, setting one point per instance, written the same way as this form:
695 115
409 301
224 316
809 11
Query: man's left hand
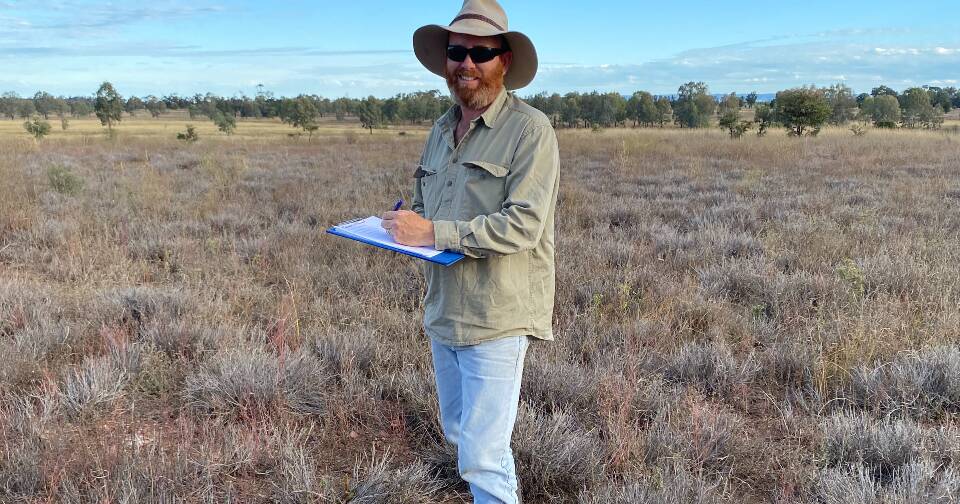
408 228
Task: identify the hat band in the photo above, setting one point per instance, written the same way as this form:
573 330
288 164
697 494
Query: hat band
478 17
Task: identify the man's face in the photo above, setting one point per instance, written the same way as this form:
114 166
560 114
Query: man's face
476 85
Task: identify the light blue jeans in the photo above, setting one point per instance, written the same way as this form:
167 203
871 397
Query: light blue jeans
478 387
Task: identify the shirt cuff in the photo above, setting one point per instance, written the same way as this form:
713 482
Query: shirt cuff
446 236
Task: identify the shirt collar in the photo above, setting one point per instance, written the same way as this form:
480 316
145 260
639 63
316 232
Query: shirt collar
489 116
492 113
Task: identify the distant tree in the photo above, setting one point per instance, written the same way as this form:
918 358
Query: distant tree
133 104
37 128
8 104
860 98
763 116
250 108
80 108
730 103
155 106
940 97
45 104
752 99
730 121
883 110
341 108
842 102
694 106
108 106
642 109
802 110
370 113
226 123
664 110
882 91
300 112
918 111
25 108
571 109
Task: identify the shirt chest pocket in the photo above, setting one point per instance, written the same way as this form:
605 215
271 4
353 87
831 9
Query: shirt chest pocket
484 188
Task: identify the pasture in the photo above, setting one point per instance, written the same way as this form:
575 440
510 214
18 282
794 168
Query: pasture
759 320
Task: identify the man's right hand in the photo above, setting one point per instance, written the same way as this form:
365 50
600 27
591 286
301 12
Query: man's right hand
408 228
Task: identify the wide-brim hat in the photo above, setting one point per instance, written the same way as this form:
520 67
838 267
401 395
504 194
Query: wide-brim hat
483 18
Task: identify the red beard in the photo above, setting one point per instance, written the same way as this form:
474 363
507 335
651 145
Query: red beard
484 94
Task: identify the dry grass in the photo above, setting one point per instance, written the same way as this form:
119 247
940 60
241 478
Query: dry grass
764 320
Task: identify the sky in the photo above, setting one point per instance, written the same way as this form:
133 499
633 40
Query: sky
363 47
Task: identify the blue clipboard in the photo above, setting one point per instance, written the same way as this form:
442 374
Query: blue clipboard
445 258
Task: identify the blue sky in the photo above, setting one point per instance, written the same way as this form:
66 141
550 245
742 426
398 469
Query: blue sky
358 48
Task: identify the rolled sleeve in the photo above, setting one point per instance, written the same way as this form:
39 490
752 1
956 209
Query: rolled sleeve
446 236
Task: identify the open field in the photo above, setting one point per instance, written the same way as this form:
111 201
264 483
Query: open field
170 123
764 320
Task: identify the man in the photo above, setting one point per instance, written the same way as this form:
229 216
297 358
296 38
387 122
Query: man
486 187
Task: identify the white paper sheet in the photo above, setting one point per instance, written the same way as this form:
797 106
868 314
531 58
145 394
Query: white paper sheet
370 229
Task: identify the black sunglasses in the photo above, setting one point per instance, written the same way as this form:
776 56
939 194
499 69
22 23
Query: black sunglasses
478 54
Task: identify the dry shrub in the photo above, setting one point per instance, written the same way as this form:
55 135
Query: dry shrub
672 485
925 384
853 441
21 474
97 383
250 382
559 386
555 454
916 482
376 483
712 368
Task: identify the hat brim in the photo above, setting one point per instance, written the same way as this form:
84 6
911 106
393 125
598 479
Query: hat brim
430 46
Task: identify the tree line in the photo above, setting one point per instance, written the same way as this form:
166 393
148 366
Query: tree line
801 110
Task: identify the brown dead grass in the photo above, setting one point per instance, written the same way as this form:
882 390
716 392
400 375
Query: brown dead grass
714 298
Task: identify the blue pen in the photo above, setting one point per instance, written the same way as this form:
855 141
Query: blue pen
398 205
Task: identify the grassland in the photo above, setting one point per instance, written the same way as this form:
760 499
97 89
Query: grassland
763 320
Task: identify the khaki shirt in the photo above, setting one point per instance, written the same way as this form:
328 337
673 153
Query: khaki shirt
491 198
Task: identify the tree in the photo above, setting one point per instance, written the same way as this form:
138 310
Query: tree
8 104
108 106
752 99
694 106
80 108
37 128
25 108
571 109
370 113
155 106
883 110
730 121
642 109
802 110
883 91
250 108
941 97
226 123
842 102
730 103
133 104
300 113
917 111
763 115
45 104
664 110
